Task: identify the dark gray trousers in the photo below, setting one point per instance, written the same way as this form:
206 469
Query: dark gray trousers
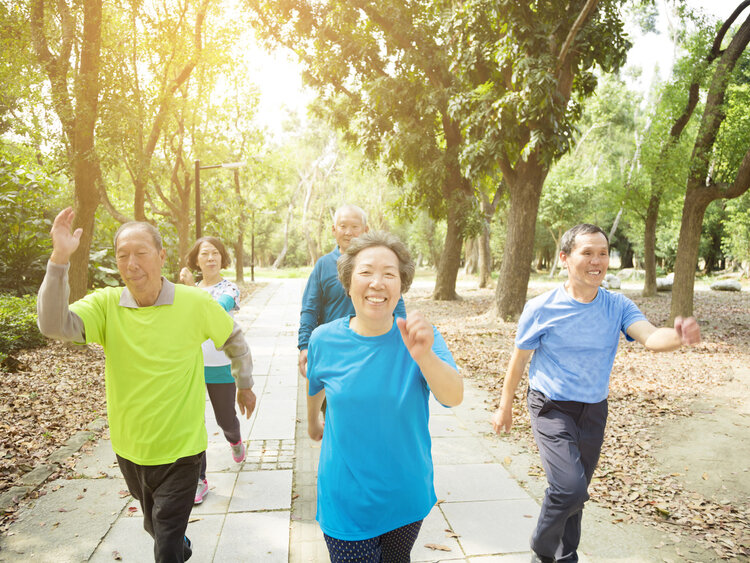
569 435
166 494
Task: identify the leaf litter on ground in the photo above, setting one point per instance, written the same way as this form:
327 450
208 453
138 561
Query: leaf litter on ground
644 392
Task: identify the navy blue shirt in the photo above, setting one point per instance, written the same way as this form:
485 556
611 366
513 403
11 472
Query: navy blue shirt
325 299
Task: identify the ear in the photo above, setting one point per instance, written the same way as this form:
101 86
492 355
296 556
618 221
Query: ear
163 256
563 259
367 228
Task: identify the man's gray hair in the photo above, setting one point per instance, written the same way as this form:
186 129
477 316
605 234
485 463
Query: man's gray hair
350 207
345 263
142 225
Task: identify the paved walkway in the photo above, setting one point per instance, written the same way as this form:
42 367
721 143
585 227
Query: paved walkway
263 510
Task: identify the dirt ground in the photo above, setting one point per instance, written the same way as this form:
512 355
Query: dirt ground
676 457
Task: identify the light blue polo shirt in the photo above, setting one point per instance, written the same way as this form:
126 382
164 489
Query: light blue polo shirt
574 343
375 472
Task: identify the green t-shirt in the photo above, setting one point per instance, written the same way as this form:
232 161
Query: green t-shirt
154 370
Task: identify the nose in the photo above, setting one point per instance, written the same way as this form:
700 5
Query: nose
376 282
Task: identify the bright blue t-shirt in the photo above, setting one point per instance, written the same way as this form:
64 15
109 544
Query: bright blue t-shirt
375 472
574 343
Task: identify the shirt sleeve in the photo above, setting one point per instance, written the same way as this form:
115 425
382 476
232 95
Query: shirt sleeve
630 314
400 311
312 300
314 386
54 317
440 348
528 334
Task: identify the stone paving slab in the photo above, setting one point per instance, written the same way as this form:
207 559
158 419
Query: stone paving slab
65 524
262 490
473 482
493 527
261 537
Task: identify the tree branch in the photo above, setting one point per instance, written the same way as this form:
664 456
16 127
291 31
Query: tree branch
577 25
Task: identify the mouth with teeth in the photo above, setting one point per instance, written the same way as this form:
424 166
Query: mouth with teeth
375 300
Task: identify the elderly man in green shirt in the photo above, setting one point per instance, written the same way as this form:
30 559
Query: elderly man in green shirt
151 331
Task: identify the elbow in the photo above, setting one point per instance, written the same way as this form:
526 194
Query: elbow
454 398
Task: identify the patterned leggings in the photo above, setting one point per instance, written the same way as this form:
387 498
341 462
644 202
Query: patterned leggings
391 547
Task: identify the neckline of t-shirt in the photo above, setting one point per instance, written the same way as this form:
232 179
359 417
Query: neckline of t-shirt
214 285
581 303
348 319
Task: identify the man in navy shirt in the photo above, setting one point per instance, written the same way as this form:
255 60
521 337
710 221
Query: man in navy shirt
325 299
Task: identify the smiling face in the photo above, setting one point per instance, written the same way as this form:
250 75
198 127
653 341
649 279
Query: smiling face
375 287
587 262
349 225
208 259
139 263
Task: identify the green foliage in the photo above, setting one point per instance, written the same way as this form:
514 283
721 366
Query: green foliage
736 242
18 328
512 101
25 193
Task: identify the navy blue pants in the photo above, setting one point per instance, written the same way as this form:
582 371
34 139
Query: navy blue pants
569 435
166 494
391 547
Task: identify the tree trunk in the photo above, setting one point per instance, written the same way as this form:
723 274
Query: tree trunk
485 257
239 246
525 190
471 255
693 211
450 259
280 258
649 245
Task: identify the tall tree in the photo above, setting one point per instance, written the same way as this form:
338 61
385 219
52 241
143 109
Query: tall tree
78 56
703 186
382 72
525 70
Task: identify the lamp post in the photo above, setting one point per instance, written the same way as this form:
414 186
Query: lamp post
198 168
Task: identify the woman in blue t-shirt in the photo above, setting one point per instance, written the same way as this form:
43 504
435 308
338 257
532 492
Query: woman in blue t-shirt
209 256
375 472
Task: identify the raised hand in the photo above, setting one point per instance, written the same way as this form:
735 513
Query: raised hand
186 277
688 330
417 334
65 241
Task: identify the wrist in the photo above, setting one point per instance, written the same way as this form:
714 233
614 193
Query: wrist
59 258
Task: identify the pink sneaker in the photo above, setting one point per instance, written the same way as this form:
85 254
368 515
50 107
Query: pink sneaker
201 491
238 452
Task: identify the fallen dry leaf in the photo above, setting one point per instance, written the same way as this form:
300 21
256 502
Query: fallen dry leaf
437 547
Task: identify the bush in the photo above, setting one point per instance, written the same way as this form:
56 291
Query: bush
18 328
25 191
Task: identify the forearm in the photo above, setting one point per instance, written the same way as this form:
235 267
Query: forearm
54 318
445 382
238 352
663 340
516 366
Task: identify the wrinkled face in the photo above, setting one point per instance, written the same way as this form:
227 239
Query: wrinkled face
375 287
348 226
208 259
587 263
139 262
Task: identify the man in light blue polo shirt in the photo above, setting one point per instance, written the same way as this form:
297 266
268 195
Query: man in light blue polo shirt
571 334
